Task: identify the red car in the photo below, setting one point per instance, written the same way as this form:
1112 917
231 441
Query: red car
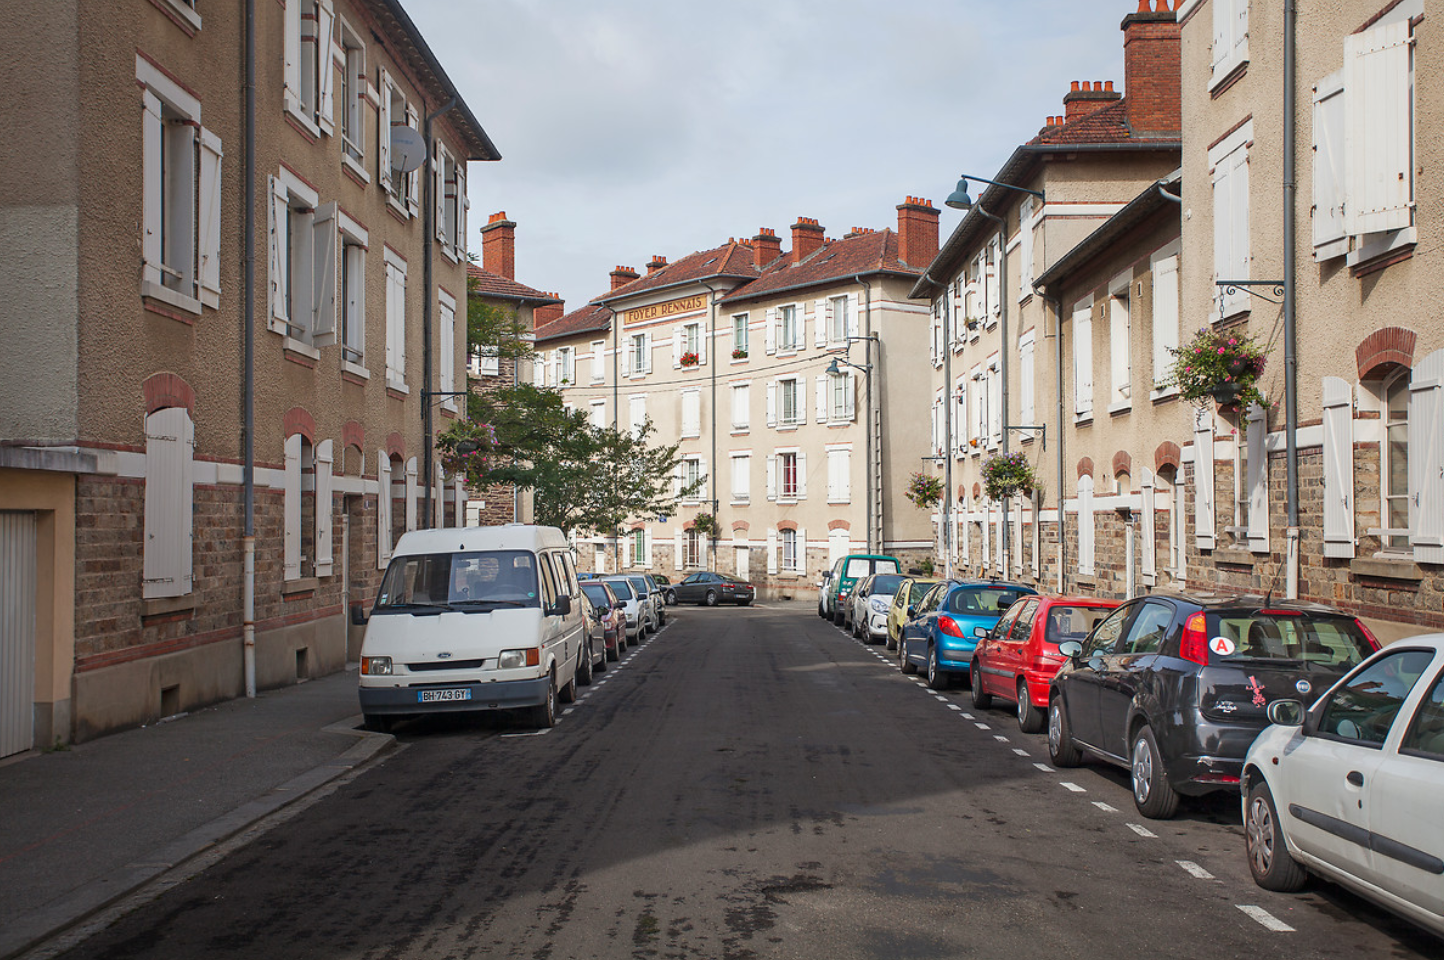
1020 655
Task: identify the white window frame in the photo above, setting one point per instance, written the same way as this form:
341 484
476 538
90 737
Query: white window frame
403 190
566 367
788 544
351 45
351 295
841 397
309 72
786 344
690 469
740 334
799 406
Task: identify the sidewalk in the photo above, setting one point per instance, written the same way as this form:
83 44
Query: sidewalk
82 827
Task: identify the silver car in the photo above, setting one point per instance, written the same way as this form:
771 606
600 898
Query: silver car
652 601
638 616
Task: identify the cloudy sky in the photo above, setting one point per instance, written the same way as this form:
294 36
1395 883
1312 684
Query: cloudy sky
630 128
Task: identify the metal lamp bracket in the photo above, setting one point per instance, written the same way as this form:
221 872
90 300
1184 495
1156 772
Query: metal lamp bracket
1228 288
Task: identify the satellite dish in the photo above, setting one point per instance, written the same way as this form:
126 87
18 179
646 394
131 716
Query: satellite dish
408 149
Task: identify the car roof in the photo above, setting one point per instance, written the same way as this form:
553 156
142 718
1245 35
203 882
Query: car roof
1234 601
510 536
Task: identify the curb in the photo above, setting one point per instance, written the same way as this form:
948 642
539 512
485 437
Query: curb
29 932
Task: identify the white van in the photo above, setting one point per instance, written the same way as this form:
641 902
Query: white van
476 618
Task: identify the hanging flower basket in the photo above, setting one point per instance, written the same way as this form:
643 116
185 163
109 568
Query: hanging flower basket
690 359
739 354
924 490
705 524
469 449
1219 366
1007 475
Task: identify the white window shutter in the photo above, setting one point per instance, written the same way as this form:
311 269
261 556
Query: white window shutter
801 550
985 526
458 497
1165 316
1025 248
291 49
801 475
413 192
998 538
383 132
646 353
1338 452
323 300
702 343
1240 249
152 163
168 522
677 549
463 205
704 492
821 393
771 330
772 552
383 509
1379 123
447 353
995 403
799 388
628 548
676 349
438 191
1426 459
853 319
292 507
438 500
1018 536
185 509
1148 565
845 480
1083 361
1204 536
326 94
1223 268
849 398
411 494
279 223
821 322
208 235
1258 480
324 469
626 359
647 548
1085 526
772 403
772 477
1025 382
960 416
1329 166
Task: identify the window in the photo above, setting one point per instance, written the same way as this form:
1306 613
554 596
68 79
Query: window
599 361
789 337
1230 38
403 190
1165 308
446 347
598 415
1394 479
840 392
353 292
789 404
739 332
1120 331
839 324
639 357
1425 736
169 496
692 548
787 467
741 477
302 259
1083 360
1229 164
791 556
395 321
839 475
1105 635
691 339
637 413
691 472
691 413
1364 708
486 362
638 547
1146 633
566 368
181 196
309 76
353 88
451 202
741 406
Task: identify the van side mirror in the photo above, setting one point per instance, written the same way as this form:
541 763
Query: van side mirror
358 615
563 606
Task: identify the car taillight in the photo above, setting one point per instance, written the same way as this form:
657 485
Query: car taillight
1194 645
1368 634
950 626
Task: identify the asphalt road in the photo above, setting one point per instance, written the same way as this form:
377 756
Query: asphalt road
750 783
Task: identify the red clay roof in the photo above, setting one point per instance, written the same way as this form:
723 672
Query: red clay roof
586 320
732 260
495 285
835 260
1105 125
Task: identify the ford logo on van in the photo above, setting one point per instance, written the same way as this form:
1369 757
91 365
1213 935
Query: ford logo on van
444 655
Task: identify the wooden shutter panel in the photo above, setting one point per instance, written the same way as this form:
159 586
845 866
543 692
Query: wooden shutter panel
1149 554
447 358
801 475
1378 124
438 191
458 518
676 349
208 236
1338 453
326 68
1239 249
411 494
168 521
383 132
152 163
1222 36
647 548
646 353
821 322
704 492
323 301
324 472
702 343
438 501
820 392
772 403
852 315
1203 513
1329 169
1165 316
772 477
849 398
1085 525
292 507
463 205
801 550
383 509
772 552
413 190
1083 361
1223 225
1258 480
279 223
678 547
291 49
770 330
1025 381
1426 459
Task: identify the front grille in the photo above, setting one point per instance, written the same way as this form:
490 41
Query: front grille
445 665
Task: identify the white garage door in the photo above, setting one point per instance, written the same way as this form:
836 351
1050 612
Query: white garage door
17 632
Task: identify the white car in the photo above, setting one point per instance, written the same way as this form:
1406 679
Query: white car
638 612
1350 790
870 603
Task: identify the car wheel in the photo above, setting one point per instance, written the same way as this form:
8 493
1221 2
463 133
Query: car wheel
938 678
1152 794
837 618
1269 861
904 664
584 669
544 714
821 611
711 598
891 640
568 694
1060 742
614 652
378 722
671 598
744 603
1030 718
982 699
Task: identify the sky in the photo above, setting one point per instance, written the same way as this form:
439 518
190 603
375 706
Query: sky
635 128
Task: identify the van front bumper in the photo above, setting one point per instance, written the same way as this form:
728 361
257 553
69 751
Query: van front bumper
497 695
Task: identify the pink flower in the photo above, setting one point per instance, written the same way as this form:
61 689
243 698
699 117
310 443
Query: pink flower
1232 341
1220 349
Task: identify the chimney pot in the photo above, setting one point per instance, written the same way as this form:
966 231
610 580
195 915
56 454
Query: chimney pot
1075 85
766 247
1142 6
498 246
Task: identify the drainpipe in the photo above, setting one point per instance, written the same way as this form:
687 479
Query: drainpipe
1058 354
248 388
873 490
1002 365
428 228
1291 359
616 417
712 480
947 502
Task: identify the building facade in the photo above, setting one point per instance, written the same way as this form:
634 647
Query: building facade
123 431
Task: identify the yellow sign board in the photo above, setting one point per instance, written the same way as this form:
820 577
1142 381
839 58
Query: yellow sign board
659 310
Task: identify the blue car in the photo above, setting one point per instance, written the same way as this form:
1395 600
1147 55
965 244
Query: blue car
943 630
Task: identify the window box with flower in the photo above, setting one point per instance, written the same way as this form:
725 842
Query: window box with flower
739 354
690 359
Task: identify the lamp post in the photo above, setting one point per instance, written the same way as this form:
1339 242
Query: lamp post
960 200
833 370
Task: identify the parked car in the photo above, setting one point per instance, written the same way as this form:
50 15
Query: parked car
613 614
909 594
659 597
1174 687
1350 789
1018 658
870 601
593 657
942 637
710 589
850 569
668 590
652 600
632 605
823 610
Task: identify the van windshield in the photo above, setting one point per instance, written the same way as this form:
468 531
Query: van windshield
443 581
858 567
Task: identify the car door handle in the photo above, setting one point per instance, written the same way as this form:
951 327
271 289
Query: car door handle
1355 777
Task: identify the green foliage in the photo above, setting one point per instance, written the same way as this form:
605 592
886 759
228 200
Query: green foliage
1219 366
705 524
924 490
1007 475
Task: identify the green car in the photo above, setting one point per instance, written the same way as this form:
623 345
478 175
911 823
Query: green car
848 571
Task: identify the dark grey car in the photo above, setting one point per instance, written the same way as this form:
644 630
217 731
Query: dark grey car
1174 688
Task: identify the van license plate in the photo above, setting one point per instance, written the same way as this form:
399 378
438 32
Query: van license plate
438 696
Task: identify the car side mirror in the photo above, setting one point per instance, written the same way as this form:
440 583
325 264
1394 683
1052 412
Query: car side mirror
620 605
562 607
1286 713
1071 649
358 615
980 632
912 612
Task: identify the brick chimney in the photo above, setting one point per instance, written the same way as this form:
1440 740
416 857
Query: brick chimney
623 276
498 246
1152 69
807 237
548 312
1085 98
766 247
656 263
917 231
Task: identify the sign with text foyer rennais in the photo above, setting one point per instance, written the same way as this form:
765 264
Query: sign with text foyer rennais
671 307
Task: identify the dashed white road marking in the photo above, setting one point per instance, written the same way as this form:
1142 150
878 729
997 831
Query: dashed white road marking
954 706
982 726
1267 919
568 710
529 733
1142 831
1020 752
967 716
1104 807
1045 768
1194 870
1072 787
940 697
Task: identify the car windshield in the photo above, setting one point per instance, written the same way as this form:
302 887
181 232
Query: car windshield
982 601
641 584
445 580
885 584
623 589
1072 623
597 594
1328 641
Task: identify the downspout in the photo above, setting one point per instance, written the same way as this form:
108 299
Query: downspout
874 508
1058 354
1002 365
1291 398
712 480
616 418
947 501
248 387
428 228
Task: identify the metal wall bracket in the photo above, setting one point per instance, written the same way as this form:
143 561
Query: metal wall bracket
1231 287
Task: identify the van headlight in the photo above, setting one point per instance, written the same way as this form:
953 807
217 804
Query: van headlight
376 666
511 659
